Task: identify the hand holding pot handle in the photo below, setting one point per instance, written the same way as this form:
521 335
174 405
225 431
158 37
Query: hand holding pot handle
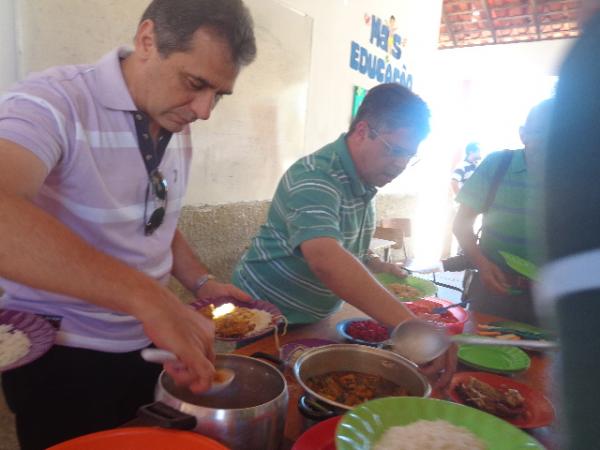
177 327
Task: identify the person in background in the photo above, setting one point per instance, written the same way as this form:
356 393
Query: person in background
569 284
466 168
501 190
461 174
95 162
313 249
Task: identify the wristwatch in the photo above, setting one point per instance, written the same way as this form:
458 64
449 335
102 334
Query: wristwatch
200 282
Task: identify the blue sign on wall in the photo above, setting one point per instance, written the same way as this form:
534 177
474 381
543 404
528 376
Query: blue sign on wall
384 69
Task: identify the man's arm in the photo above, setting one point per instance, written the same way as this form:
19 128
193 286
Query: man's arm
455 187
345 275
490 274
39 251
188 268
341 272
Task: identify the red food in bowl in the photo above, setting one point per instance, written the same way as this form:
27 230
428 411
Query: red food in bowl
367 330
453 319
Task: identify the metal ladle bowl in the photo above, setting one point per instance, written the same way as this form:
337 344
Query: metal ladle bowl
422 342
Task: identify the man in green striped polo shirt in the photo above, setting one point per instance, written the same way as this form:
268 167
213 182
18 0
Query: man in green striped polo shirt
312 251
497 289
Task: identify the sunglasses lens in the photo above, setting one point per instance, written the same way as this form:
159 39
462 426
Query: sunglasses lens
159 185
155 220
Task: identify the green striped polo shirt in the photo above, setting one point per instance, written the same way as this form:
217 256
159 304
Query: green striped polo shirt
319 196
504 225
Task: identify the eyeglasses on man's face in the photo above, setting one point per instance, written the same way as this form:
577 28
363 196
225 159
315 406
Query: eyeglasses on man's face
394 151
157 186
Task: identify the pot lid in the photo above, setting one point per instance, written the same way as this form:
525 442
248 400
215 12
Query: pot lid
255 383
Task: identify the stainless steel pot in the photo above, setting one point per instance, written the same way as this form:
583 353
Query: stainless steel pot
249 414
357 358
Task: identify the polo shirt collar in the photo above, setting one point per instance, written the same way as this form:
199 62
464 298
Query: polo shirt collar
518 163
359 188
111 89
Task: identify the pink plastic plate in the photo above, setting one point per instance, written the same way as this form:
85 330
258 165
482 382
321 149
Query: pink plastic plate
39 331
276 316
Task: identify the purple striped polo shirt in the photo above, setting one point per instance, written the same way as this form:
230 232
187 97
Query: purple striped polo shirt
78 121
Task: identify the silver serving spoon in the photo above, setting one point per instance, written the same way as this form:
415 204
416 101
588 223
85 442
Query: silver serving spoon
422 342
223 377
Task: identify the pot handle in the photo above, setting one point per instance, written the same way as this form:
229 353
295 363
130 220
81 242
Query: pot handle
164 416
274 359
313 410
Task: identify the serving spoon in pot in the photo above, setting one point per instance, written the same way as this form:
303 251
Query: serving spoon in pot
223 377
422 342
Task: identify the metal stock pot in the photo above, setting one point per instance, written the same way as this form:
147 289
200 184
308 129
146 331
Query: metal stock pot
356 358
249 414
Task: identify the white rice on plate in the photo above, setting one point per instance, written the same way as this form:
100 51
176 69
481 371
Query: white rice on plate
261 320
14 344
430 435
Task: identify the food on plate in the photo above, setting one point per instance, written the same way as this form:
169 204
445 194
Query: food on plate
404 290
353 388
423 310
430 435
14 344
506 403
367 330
236 321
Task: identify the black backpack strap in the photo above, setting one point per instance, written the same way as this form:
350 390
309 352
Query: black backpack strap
503 165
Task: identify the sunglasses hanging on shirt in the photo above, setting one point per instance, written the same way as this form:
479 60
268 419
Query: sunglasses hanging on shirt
157 188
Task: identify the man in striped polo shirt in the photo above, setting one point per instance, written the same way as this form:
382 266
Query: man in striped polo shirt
95 163
312 251
466 168
497 289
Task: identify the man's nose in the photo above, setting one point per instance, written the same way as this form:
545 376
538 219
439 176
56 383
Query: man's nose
203 103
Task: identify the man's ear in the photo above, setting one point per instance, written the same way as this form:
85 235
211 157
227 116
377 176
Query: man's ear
145 40
362 129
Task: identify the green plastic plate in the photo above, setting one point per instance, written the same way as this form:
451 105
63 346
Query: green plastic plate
537 333
426 287
362 427
498 359
520 265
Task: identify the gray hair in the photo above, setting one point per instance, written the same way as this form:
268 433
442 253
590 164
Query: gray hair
176 21
390 106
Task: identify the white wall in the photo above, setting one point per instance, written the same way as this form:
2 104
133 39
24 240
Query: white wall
8 49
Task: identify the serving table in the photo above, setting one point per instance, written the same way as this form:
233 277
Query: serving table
538 376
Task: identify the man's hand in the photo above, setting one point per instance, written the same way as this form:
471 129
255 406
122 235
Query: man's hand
395 269
215 289
176 327
492 277
440 370
376 265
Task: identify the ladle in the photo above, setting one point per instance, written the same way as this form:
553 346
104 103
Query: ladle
223 377
422 342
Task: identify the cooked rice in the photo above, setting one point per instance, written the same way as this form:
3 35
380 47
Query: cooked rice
430 435
14 344
262 319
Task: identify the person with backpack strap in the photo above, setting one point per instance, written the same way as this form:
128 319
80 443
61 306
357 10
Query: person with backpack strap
500 189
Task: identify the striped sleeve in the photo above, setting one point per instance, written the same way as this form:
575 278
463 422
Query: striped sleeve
35 123
476 188
458 174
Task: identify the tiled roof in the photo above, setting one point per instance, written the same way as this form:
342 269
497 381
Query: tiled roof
467 23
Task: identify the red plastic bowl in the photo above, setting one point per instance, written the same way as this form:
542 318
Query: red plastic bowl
140 438
459 313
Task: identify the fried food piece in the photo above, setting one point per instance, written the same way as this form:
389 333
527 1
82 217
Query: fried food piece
507 403
353 388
